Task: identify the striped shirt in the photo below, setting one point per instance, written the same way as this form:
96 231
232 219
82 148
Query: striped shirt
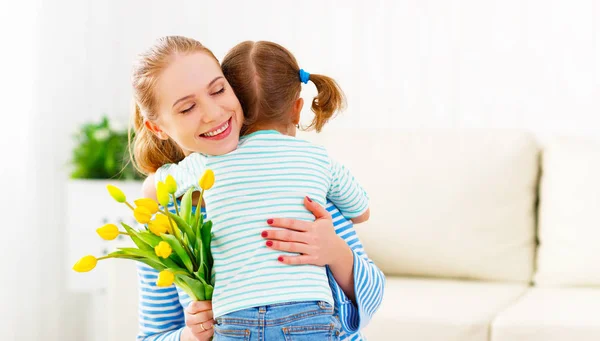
268 175
161 315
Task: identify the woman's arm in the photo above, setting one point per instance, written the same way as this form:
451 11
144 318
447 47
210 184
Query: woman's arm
160 313
357 309
331 240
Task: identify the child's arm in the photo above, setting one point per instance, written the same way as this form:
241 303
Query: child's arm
186 173
363 217
347 194
149 187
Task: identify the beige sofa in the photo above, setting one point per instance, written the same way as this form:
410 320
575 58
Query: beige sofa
455 224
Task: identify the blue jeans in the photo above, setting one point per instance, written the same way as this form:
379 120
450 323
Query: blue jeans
292 321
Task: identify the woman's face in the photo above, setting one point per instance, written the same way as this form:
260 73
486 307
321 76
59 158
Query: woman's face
197 107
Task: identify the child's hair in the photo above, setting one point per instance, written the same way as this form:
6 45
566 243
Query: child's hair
148 152
265 78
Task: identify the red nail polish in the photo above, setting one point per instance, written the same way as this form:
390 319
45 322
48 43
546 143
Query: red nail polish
280 259
270 221
307 198
264 234
269 243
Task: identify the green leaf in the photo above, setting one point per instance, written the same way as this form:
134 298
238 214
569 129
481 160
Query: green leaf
208 292
178 248
196 287
200 254
206 238
133 234
183 285
186 207
182 225
198 217
150 263
200 273
166 262
149 238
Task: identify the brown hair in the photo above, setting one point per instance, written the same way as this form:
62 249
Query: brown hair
148 152
265 78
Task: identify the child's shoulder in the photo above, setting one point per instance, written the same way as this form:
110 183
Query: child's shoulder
281 141
186 162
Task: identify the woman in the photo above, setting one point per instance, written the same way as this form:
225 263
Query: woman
162 74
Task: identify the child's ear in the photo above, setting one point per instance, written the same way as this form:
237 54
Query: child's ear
156 130
298 104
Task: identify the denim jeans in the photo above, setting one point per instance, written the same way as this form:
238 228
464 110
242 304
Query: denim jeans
292 321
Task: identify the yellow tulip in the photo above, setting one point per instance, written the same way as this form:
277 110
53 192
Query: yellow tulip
108 231
162 194
116 193
163 249
85 264
142 214
165 278
171 184
150 204
159 225
207 180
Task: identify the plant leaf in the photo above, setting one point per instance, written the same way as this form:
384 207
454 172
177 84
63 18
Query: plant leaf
150 263
182 225
166 262
133 234
186 206
206 238
196 287
178 248
149 238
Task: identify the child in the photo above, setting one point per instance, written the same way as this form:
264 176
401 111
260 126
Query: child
269 174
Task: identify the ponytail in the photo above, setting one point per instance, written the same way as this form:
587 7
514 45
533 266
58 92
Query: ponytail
329 100
146 150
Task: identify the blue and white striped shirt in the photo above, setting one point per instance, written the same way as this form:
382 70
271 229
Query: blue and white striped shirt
161 315
268 175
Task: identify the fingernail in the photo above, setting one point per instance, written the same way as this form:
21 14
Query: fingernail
280 259
269 243
270 221
307 198
264 234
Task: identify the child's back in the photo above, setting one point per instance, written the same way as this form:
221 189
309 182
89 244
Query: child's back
268 175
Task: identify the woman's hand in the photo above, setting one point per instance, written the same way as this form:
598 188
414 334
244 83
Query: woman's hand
316 242
198 322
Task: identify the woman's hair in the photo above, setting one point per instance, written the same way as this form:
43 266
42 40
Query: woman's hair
148 152
265 78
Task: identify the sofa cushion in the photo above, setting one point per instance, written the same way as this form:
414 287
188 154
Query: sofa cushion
551 314
569 230
440 310
446 204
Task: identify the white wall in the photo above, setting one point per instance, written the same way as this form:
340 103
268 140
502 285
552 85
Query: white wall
407 64
529 64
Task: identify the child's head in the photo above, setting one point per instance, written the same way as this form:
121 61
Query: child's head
266 80
183 104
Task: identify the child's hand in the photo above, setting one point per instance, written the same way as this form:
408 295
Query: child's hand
198 321
316 242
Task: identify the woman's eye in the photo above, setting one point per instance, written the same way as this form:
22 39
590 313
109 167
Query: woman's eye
188 109
219 92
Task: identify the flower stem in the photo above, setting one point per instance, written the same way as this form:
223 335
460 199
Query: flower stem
129 205
180 239
175 203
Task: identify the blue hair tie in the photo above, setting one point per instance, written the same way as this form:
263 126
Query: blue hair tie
304 76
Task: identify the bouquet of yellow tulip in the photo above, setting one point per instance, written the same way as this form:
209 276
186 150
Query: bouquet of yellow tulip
176 244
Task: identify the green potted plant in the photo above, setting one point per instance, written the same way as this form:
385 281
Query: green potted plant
100 157
101 152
